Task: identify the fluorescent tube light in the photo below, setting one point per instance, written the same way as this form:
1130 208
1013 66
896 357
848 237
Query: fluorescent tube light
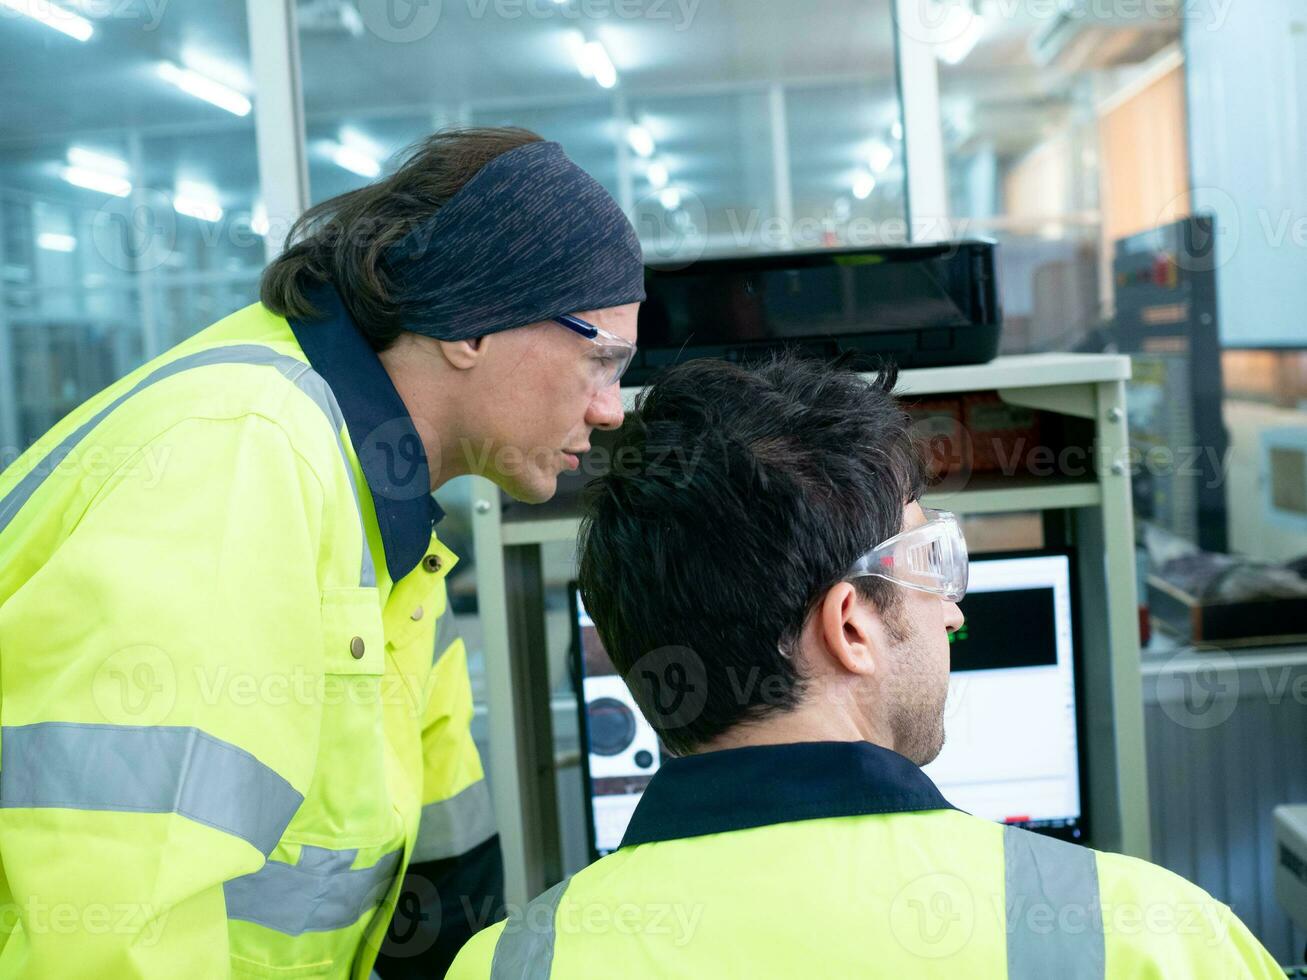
94 180
353 159
81 157
215 93
52 15
879 157
54 242
592 61
640 140
197 201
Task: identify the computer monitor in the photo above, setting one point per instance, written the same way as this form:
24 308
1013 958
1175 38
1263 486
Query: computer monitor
1012 721
1013 743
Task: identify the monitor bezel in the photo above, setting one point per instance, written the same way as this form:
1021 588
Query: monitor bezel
1083 823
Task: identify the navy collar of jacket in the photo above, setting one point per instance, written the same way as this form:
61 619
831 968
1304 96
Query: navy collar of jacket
736 789
388 447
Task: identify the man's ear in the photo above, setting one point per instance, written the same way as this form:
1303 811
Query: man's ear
850 630
463 354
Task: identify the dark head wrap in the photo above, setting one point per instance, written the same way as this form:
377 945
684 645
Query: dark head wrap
529 237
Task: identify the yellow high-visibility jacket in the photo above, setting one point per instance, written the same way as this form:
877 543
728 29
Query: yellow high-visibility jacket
234 706
840 859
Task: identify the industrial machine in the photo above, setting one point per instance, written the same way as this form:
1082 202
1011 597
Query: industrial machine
918 305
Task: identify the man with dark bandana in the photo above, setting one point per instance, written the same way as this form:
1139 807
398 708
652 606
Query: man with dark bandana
236 705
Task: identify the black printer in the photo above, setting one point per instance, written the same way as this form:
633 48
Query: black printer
917 305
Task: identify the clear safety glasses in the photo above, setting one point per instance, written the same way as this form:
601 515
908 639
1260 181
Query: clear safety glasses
931 557
612 354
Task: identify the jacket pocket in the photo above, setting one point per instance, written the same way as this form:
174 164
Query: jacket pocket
348 804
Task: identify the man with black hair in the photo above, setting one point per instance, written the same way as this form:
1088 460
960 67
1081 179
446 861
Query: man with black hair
792 592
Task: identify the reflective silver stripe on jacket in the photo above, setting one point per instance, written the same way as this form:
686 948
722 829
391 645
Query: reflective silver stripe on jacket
297 372
525 949
1054 916
318 893
454 826
149 769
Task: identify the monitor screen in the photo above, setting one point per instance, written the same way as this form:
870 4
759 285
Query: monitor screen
1012 738
1012 745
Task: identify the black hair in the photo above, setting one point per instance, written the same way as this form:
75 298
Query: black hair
737 497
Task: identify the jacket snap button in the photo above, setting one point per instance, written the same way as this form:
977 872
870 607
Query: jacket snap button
356 648
417 614
431 563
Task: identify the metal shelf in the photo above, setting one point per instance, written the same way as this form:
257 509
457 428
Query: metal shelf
1018 372
541 532
1009 495
984 495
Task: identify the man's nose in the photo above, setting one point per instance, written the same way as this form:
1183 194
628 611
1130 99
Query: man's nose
605 411
953 618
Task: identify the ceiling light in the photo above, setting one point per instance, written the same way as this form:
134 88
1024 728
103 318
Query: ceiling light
199 210
863 185
640 140
879 157
352 20
354 160
81 157
54 242
198 201
592 61
670 198
657 174
259 223
94 180
52 15
350 136
193 83
956 49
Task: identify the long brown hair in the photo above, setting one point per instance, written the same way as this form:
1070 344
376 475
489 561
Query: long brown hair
343 240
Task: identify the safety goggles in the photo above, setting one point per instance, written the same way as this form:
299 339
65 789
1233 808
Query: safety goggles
611 356
931 557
